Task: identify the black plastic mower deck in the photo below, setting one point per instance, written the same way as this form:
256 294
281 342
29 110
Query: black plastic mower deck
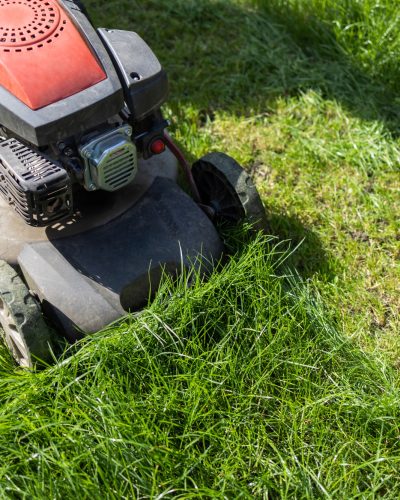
88 277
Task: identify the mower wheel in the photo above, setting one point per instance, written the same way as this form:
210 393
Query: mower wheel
226 191
23 327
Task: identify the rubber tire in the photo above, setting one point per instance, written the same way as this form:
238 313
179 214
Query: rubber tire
237 182
27 318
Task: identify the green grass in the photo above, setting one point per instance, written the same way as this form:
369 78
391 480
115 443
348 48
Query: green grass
279 376
242 386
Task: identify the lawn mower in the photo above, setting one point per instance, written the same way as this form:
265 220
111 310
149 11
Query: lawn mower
91 212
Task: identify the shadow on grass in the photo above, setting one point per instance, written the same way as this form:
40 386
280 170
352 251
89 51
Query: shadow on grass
335 73
310 256
221 56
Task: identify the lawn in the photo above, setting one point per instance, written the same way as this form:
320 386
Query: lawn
278 377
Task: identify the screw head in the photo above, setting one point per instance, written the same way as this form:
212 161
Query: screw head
68 151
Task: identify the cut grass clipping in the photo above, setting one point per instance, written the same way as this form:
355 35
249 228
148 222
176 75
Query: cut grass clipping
235 387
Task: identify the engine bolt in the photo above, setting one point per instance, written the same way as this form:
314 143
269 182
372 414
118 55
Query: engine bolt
68 151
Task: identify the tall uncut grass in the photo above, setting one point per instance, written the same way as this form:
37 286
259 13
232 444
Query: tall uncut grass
238 387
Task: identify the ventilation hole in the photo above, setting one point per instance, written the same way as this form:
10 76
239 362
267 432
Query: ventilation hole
41 22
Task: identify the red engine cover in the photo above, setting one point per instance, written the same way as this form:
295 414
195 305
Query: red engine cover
43 57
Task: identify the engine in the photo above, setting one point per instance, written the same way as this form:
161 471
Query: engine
82 124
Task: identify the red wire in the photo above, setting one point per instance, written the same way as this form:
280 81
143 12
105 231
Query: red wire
184 164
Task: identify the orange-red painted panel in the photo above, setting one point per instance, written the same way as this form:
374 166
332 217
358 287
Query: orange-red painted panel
43 57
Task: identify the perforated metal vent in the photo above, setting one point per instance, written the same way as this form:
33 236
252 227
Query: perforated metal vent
120 168
111 160
26 25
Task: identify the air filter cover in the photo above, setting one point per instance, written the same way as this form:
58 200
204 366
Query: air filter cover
43 56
